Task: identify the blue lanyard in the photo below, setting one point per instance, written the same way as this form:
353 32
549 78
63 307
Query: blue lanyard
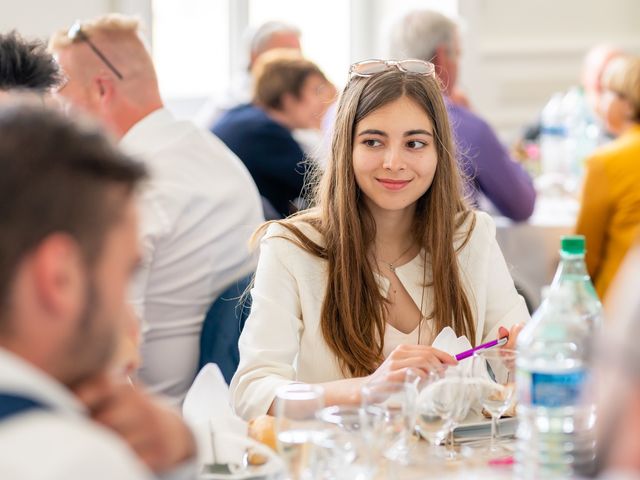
12 404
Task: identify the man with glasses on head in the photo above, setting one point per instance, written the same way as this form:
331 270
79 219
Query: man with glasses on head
429 35
199 207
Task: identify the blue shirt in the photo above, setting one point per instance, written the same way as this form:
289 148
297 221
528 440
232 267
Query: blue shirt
269 152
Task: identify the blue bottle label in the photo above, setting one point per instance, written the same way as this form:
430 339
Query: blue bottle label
557 389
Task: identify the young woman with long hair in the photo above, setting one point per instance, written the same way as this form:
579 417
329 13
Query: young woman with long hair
357 287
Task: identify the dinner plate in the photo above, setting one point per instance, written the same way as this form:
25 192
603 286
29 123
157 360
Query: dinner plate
272 469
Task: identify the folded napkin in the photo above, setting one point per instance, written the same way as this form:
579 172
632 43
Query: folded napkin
207 410
448 342
475 373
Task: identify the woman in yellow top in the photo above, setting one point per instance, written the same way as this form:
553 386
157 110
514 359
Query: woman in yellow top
610 212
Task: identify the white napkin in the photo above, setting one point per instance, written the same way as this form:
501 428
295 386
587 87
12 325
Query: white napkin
207 410
447 341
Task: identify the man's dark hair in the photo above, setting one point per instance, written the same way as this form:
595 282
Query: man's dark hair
56 176
26 64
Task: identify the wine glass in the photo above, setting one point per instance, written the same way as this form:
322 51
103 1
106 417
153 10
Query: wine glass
496 387
457 391
433 410
296 407
343 450
388 413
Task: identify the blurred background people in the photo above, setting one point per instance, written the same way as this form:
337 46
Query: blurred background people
67 250
613 106
591 88
570 127
609 214
268 36
198 208
490 171
26 65
290 92
595 64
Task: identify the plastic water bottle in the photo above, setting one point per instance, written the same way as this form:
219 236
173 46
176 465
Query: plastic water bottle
580 130
556 436
552 137
572 271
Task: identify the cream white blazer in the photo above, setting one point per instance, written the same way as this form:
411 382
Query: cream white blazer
282 340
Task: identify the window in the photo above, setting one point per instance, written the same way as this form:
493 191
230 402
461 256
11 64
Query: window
324 26
191 46
196 42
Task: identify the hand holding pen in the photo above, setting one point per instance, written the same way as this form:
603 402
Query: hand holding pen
506 339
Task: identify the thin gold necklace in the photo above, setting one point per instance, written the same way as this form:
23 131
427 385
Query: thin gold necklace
392 265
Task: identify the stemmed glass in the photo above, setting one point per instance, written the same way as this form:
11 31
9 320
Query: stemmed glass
496 387
388 413
433 410
456 389
343 449
296 407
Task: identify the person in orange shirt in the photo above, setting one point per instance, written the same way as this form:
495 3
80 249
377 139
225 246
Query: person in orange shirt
609 214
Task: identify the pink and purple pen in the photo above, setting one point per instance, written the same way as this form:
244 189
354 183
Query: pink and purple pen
494 343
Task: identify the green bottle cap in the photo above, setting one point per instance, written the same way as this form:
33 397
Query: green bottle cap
572 244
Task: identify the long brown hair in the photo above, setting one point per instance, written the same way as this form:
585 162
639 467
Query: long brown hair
354 310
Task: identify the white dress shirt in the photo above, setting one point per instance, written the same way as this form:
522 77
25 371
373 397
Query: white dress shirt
198 211
59 443
282 341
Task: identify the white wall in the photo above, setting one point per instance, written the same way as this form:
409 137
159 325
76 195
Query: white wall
519 52
39 18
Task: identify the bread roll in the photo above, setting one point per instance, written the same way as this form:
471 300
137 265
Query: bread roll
262 429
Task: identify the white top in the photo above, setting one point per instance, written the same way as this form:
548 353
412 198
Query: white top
394 337
60 443
198 212
282 340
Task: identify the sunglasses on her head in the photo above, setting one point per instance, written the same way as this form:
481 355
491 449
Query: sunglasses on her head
76 34
368 68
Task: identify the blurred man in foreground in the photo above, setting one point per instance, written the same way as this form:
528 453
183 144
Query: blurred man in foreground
27 69
26 66
67 251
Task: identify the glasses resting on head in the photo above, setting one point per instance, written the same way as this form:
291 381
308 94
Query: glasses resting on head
368 68
76 34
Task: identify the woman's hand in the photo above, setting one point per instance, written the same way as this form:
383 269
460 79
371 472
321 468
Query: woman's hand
513 335
420 358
